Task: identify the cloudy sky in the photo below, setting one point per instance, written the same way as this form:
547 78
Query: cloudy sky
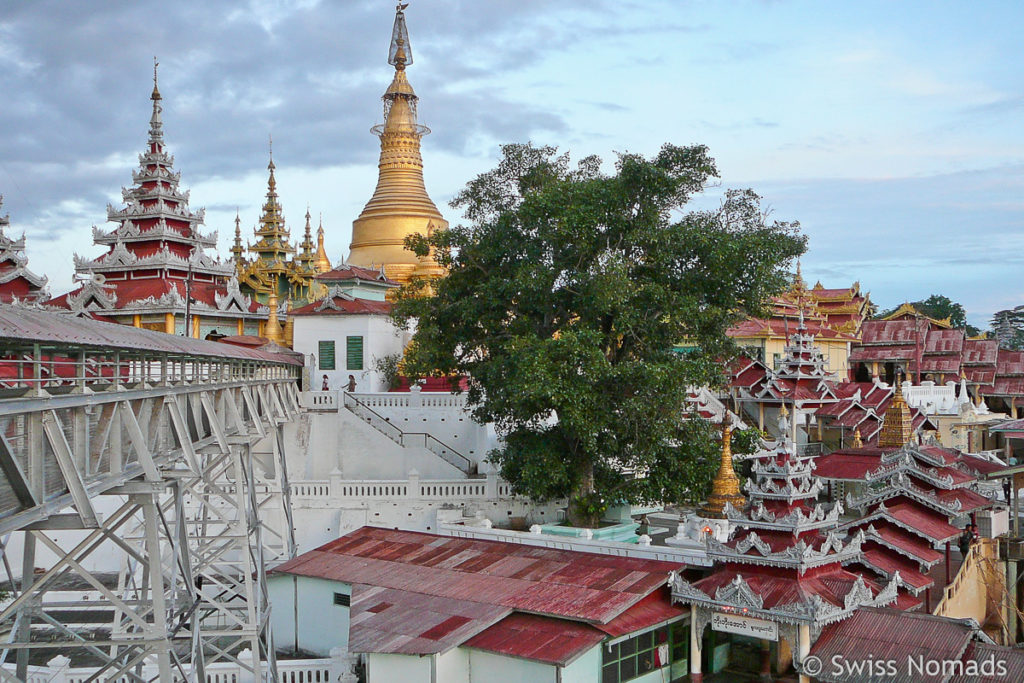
891 131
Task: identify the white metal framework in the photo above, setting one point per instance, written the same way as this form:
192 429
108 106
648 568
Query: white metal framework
153 463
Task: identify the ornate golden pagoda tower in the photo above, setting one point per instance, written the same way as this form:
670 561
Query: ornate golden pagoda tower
400 205
897 425
274 266
726 486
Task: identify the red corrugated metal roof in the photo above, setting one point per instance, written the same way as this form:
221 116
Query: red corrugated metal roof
928 523
537 638
873 634
844 465
349 272
655 609
831 585
22 325
888 562
910 544
343 306
403 622
561 583
1006 664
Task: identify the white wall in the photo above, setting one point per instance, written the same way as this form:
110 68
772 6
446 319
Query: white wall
382 668
318 443
442 415
586 668
380 338
491 668
453 666
321 624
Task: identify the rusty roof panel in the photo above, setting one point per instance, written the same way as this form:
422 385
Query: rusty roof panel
869 635
561 583
1007 664
981 351
542 639
401 622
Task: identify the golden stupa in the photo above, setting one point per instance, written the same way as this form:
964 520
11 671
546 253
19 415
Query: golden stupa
726 486
897 425
400 205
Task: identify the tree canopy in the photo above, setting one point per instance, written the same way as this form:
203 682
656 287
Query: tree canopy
568 289
940 307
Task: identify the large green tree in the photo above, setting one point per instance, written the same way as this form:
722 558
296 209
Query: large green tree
568 290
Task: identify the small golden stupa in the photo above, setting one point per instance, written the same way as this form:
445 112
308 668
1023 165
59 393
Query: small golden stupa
897 425
726 486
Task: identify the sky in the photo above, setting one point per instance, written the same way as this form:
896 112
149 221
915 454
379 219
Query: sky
890 131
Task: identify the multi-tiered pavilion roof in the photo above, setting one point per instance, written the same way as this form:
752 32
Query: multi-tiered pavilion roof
156 265
17 282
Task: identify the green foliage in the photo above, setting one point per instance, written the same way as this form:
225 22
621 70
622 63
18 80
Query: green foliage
389 368
941 307
565 295
1008 328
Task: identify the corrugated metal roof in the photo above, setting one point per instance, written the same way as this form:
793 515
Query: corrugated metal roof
402 622
655 609
1006 663
561 583
882 635
30 326
541 639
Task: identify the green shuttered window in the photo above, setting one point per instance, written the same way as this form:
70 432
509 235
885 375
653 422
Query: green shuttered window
327 355
354 353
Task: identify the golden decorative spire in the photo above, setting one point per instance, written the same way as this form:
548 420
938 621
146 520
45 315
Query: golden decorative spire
400 205
307 256
323 264
237 250
857 442
273 330
726 486
896 425
273 244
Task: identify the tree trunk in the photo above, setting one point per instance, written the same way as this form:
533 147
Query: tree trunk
581 511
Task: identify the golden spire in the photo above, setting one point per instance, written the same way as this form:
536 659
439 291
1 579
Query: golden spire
273 244
896 425
726 486
273 331
289 326
237 250
857 442
400 205
322 263
307 256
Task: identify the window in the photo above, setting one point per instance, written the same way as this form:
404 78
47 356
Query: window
776 361
342 600
326 355
354 353
647 652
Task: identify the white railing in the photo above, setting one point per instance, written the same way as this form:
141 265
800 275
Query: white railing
407 439
320 400
337 489
289 671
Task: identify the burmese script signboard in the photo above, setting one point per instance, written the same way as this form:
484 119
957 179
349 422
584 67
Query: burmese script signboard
745 626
